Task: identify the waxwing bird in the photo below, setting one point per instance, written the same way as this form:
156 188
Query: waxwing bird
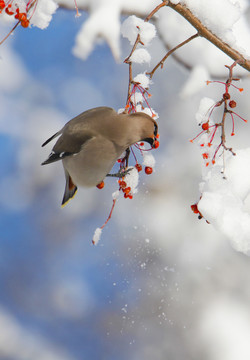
91 143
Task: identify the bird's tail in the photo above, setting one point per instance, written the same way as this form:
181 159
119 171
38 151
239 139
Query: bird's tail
70 189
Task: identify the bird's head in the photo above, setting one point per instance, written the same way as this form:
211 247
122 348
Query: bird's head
147 128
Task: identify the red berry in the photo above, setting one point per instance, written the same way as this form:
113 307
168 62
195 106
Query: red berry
17 14
122 183
148 170
232 104
127 190
2 4
156 144
8 11
130 196
25 23
226 96
205 126
22 17
100 185
194 208
138 167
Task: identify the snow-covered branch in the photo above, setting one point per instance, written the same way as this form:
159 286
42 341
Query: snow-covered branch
205 32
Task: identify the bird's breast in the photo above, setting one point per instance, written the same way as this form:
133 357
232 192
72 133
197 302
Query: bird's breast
91 165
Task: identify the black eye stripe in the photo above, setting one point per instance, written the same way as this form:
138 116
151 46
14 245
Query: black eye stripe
149 140
156 130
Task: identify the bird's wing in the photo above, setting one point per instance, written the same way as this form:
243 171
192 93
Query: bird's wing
67 145
52 137
77 132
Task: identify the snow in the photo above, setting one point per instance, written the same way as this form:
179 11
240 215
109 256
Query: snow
142 79
97 236
134 25
140 56
43 13
130 29
223 201
148 159
103 23
210 15
132 179
148 111
205 105
116 195
200 51
225 186
137 97
225 27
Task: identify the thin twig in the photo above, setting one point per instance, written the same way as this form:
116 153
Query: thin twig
138 41
11 31
160 63
226 110
157 8
127 61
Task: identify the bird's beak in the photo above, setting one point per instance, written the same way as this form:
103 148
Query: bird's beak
156 142
150 140
153 141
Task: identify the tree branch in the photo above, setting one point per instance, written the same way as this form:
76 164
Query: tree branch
207 34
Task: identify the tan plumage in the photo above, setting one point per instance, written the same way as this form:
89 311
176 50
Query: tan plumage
91 143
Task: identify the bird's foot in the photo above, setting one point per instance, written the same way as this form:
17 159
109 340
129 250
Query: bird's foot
121 173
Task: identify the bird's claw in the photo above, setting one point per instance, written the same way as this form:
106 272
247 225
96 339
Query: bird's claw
121 173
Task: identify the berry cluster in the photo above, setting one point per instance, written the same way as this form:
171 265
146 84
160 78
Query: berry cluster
12 9
210 129
125 189
123 185
208 143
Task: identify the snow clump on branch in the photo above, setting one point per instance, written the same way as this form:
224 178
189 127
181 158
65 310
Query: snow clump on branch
43 13
132 25
225 196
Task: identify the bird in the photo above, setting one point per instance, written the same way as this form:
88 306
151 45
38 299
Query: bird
91 143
